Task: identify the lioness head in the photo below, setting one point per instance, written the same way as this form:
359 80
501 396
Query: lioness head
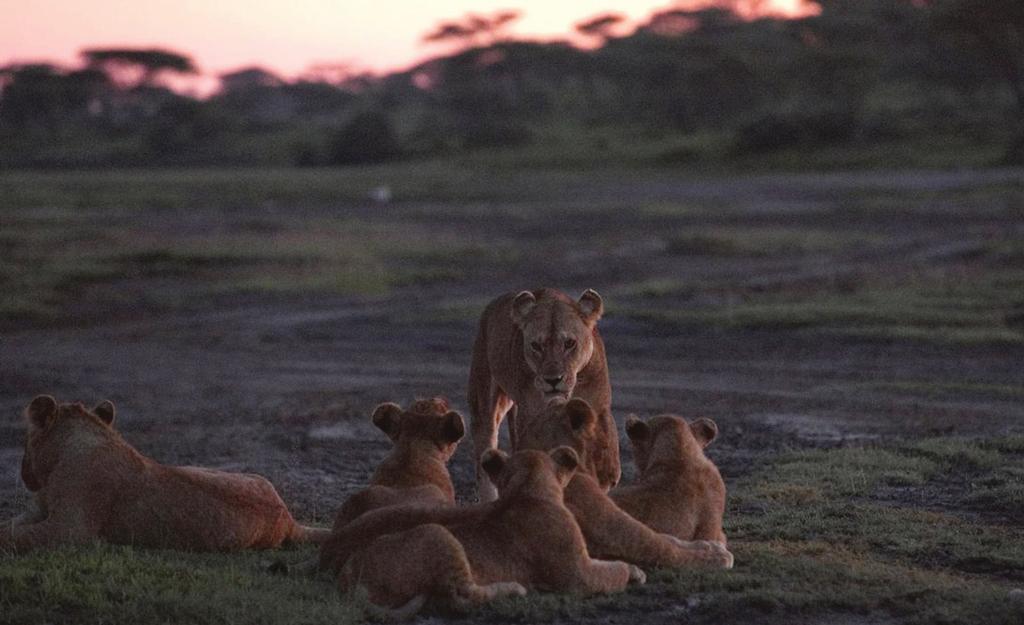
667 439
49 425
571 423
529 471
558 337
427 421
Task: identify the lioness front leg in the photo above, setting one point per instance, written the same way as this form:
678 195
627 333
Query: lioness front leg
33 513
48 533
485 427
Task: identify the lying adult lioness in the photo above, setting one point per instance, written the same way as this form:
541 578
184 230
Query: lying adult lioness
532 347
92 485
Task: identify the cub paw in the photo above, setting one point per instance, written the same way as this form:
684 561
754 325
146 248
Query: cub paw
719 556
637 575
508 589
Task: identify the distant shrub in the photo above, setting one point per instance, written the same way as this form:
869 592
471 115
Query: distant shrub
489 132
366 138
777 131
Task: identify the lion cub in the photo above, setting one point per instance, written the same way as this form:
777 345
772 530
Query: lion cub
610 531
415 472
679 491
404 555
90 484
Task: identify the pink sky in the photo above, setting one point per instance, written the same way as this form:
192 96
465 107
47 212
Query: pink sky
285 35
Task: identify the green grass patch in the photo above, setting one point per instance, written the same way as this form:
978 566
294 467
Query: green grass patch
766 241
816 535
106 584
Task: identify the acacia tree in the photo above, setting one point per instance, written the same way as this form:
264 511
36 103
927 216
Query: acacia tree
600 26
994 31
473 29
137 67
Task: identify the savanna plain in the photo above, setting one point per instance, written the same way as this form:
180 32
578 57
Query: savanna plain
858 338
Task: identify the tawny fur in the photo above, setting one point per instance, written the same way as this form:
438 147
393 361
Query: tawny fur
90 484
526 537
611 532
679 491
415 472
531 347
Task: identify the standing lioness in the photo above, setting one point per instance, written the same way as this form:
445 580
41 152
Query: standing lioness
532 347
92 485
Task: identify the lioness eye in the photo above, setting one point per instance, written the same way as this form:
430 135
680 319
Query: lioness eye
535 345
569 343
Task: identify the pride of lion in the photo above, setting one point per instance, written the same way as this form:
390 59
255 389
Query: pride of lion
551 516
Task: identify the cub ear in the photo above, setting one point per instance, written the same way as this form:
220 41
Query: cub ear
581 415
636 428
566 458
493 461
704 430
105 411
41 411
454 427
522 306
387 417
591 306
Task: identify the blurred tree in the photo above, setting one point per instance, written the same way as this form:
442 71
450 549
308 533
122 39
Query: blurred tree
249 78
994 30
366 138
44 98
472 29
600 26
133 67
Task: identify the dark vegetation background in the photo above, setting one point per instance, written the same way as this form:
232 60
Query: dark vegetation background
865 82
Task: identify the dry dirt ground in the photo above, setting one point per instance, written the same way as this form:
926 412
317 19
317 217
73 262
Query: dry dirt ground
798 311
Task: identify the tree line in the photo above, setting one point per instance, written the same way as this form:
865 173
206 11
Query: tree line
858 72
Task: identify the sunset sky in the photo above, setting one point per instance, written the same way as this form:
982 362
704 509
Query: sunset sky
286 36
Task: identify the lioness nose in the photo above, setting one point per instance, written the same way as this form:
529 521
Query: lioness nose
553 382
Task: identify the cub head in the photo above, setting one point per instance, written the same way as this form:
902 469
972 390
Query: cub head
428 423
571 423
558 337
667 440
50 426
530 472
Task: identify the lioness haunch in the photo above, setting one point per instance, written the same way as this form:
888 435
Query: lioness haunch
92 485
526 539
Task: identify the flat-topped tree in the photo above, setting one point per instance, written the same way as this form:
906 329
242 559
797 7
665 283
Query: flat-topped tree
601 26
137 67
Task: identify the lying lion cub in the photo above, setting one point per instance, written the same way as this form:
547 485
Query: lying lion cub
90 484
610 532
415 472
461 556
679 491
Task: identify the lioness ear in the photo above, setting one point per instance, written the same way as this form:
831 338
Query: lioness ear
704 430
522 305
581 415
105 411
493 461
566 458
636 428
591 306
387 417
41 411
454 428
